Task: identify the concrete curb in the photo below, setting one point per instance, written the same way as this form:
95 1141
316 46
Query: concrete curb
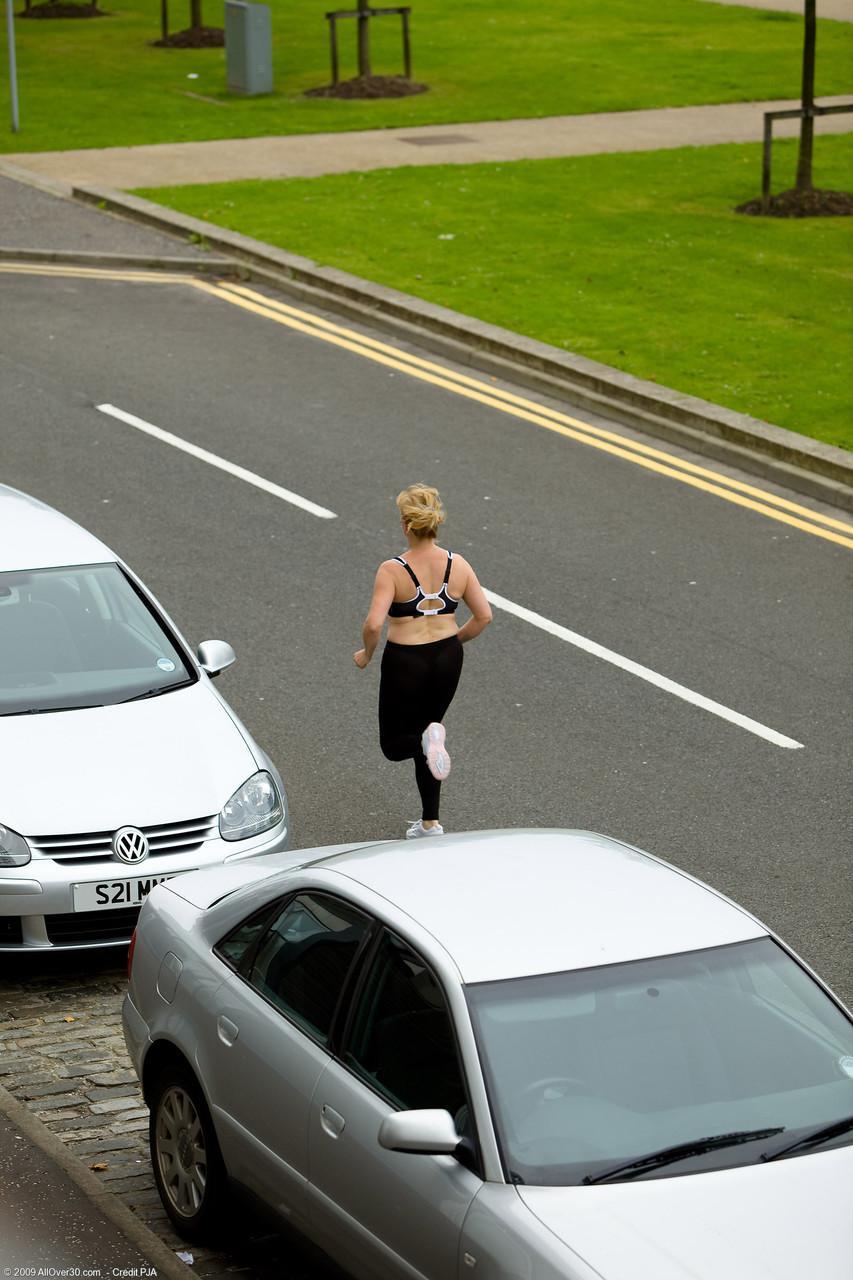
17 173
783 457
124 261
169 1266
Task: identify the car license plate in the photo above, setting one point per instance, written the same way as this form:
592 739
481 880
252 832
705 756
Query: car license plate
116 893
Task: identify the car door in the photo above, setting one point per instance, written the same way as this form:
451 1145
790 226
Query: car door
387 1214
273 1020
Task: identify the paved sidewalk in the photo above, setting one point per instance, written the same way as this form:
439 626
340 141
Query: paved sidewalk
840 10
310 155
39 219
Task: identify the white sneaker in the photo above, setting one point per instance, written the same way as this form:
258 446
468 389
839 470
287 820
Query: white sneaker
417 829
437 759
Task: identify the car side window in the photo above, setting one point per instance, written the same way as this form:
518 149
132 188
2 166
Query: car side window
401 1040
236 947
303 960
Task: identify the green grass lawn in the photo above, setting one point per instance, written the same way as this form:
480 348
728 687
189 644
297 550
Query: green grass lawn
636 260
99 82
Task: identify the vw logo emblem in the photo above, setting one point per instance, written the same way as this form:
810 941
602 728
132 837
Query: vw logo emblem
130 844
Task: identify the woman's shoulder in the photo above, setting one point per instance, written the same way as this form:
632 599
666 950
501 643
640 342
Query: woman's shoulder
390 567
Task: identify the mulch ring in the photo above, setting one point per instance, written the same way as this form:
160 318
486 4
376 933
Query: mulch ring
194 38
369 87
803 204
56 9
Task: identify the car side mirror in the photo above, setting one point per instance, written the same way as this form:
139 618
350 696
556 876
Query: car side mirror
429 1132
214 656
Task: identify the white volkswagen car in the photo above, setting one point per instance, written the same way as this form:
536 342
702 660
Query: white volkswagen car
120 764
504 1054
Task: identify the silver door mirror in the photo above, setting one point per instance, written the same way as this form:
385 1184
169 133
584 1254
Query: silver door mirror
214 656
430 1132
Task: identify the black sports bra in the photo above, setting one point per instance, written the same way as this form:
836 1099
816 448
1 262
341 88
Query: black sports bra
413 608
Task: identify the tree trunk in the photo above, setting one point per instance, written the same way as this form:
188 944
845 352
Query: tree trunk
363 23
804 159
195 15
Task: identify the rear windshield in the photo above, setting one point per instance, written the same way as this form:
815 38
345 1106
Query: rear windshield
81 637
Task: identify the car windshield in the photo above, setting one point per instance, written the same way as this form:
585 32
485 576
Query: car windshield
81 637
589 1069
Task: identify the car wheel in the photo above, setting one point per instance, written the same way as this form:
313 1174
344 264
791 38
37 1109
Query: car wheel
185 1155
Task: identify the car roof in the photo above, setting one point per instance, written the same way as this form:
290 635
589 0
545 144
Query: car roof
505 904
35 536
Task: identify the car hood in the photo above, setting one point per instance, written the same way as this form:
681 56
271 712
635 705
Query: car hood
780 1221
166 759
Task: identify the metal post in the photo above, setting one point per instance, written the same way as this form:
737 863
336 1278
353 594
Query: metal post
765 165
13 68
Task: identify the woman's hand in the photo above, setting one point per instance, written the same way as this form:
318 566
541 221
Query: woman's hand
360 658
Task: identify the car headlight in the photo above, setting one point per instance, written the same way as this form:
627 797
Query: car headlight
253 808
14 850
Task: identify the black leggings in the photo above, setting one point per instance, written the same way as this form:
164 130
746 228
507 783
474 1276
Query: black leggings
417 686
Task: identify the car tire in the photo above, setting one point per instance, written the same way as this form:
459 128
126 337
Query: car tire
185 1156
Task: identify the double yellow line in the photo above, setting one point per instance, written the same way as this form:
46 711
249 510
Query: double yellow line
659 461
619 446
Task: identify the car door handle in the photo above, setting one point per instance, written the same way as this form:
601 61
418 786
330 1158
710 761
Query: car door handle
332 1123
226 1030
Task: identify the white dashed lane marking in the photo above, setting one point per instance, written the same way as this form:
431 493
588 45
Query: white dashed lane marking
214 460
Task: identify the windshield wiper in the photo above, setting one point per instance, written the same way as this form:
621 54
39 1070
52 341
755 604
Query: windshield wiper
154 693
681 1151
815 1136
40 711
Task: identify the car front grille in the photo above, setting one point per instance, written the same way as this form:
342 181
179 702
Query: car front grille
83 846
92 926
11 933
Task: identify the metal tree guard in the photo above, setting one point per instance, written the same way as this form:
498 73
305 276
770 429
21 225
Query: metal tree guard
796 113
363 15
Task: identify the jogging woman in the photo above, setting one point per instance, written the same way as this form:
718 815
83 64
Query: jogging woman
422 658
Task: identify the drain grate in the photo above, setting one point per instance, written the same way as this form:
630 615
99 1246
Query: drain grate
437 139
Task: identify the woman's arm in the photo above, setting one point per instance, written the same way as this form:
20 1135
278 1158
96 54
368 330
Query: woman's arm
481 611
383 596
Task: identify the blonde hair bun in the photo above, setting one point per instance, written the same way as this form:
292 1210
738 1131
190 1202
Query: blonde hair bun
421 509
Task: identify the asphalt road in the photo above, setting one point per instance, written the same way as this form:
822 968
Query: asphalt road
743 609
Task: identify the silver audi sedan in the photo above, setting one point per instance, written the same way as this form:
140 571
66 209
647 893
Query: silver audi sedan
120 764
509 1055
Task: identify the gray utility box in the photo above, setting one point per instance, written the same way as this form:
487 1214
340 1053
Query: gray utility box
248 47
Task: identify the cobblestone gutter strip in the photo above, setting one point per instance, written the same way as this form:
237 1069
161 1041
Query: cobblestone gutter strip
66 1084
783 457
